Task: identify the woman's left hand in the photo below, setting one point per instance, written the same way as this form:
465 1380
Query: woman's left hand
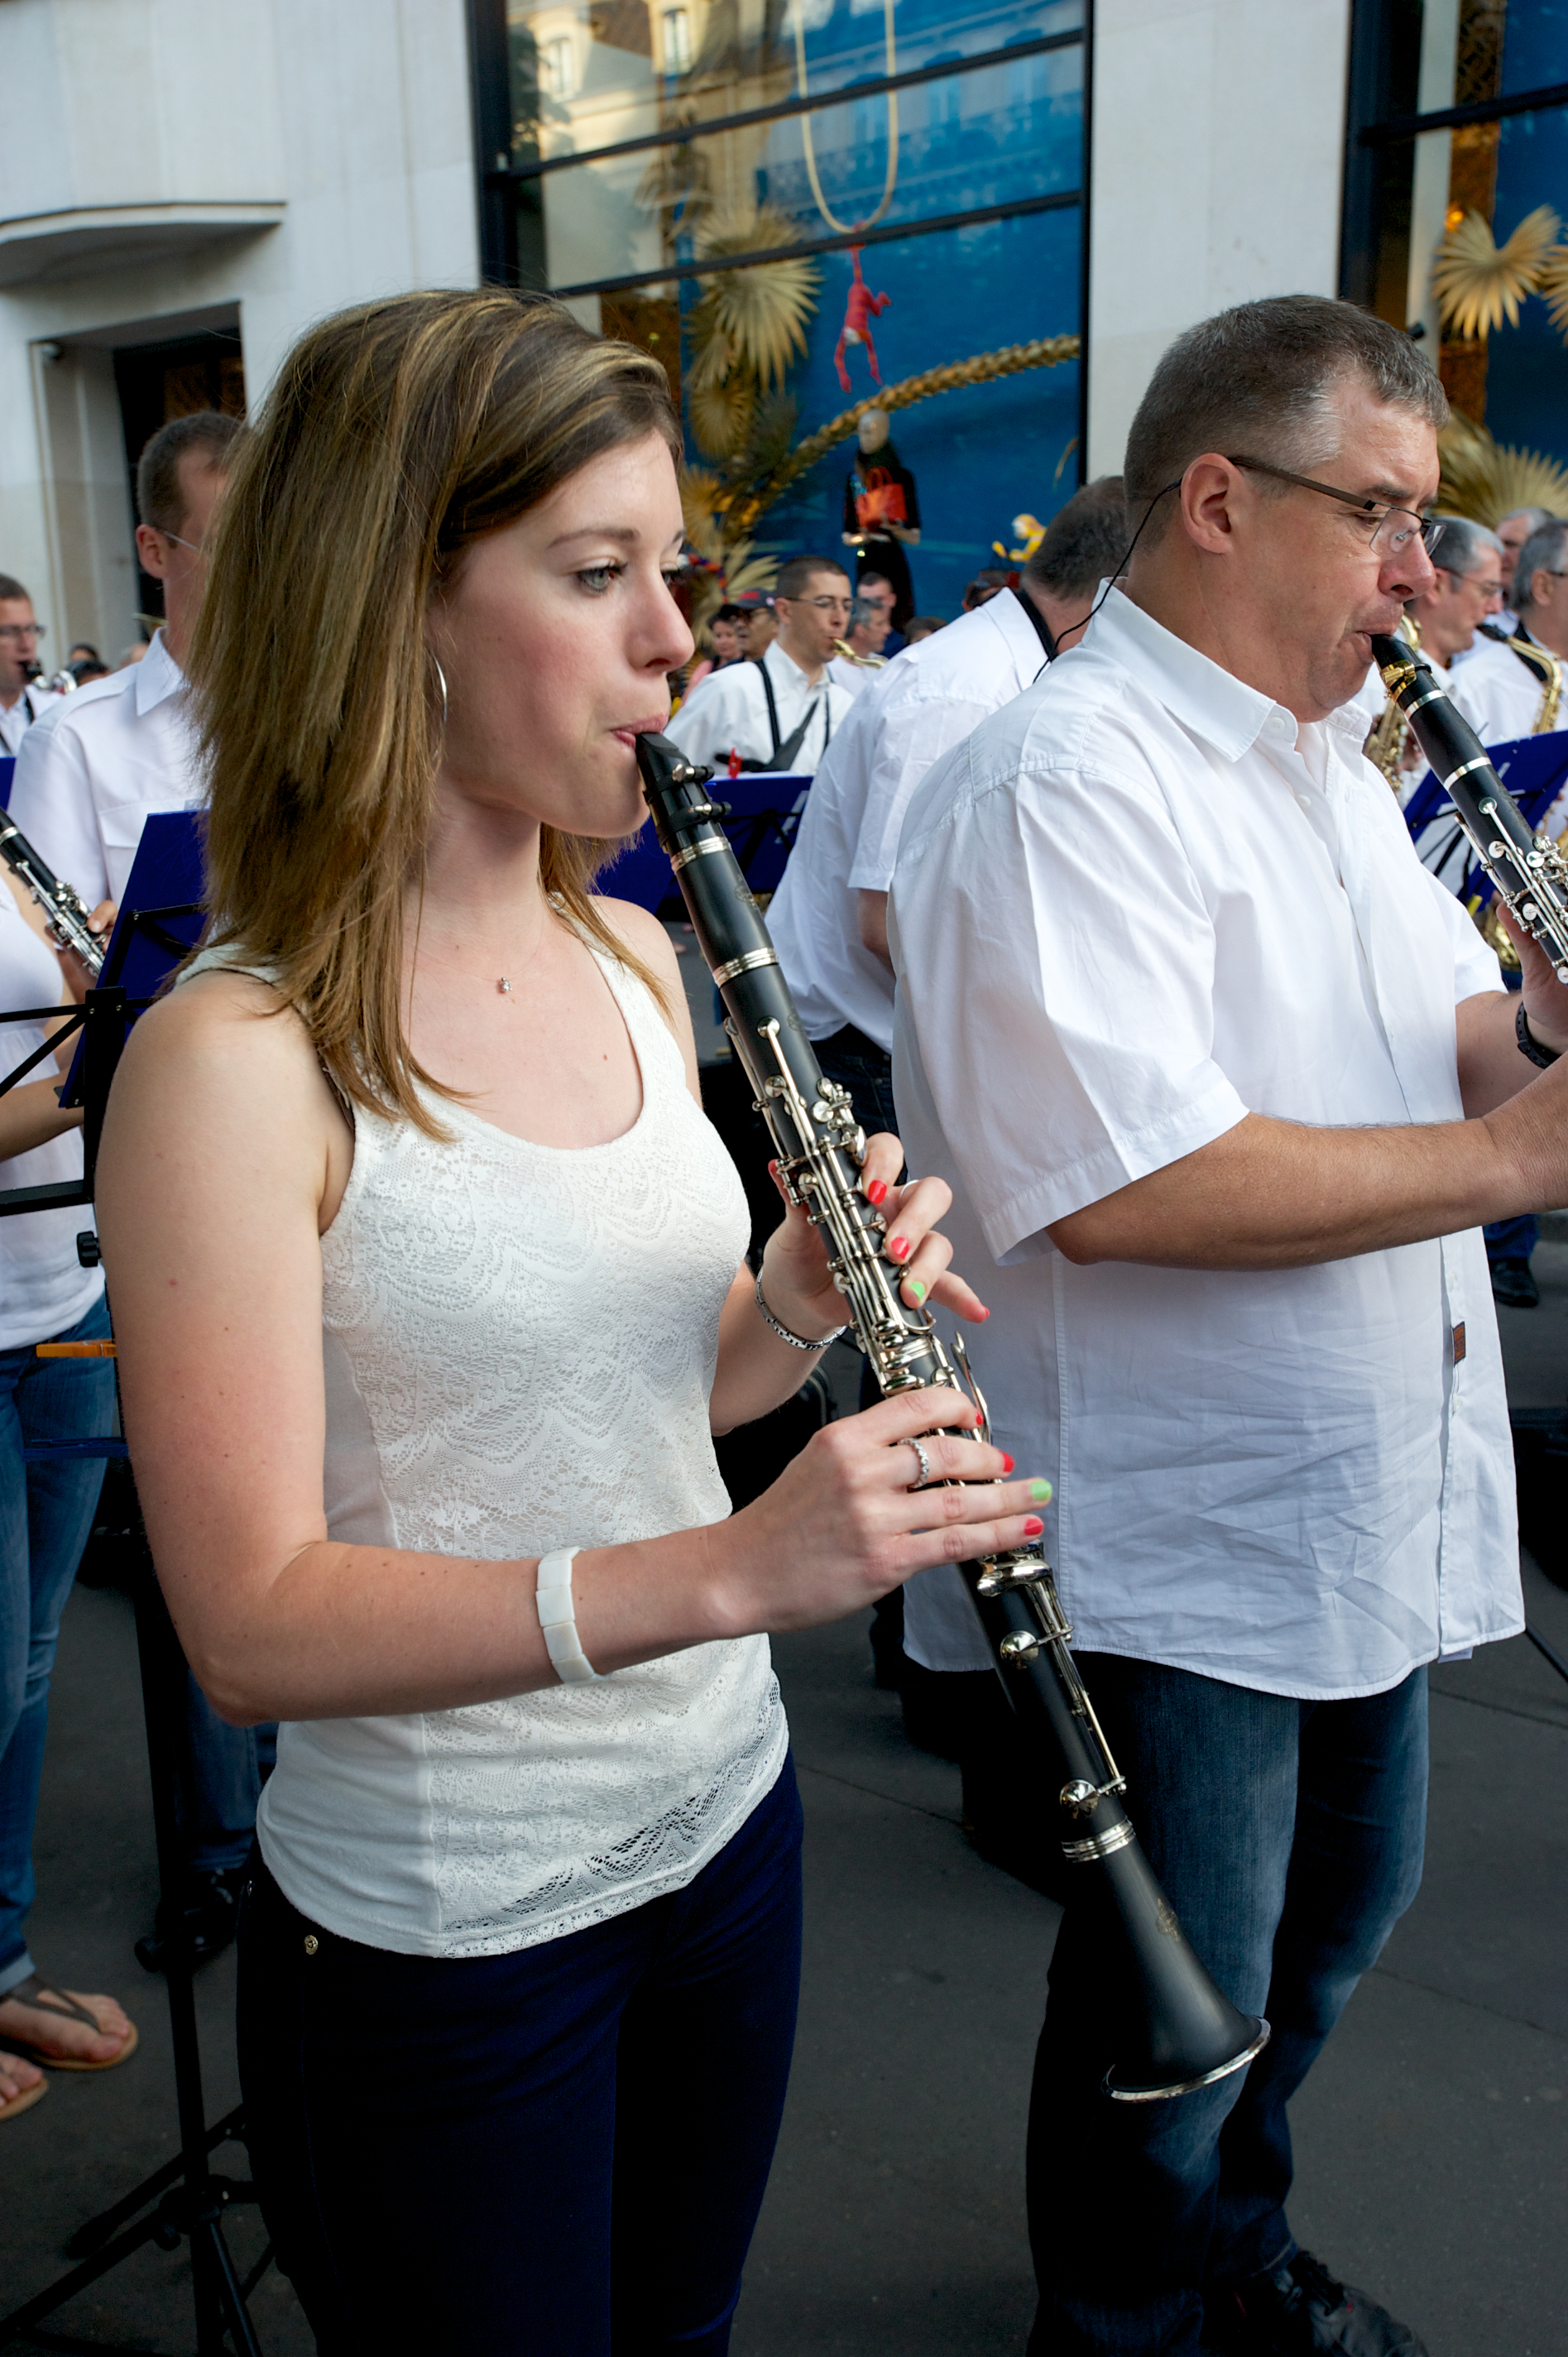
795 1279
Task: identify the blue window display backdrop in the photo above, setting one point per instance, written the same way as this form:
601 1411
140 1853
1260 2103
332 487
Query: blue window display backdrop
993 137
981 456
1527 366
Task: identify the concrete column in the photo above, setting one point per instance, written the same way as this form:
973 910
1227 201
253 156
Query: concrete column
1218 148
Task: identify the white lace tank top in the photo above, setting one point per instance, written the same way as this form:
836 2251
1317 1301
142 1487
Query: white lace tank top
520 1345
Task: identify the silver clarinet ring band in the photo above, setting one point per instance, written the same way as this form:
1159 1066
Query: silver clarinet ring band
925 1463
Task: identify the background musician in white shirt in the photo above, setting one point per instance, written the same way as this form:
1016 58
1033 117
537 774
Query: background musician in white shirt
781 713
89 775
122 747
22 700
1514 687
1204 1053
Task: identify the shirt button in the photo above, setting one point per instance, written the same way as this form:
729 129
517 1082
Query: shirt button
1305 801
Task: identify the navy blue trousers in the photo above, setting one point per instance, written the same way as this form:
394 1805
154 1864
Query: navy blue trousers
556 2153
1288 1837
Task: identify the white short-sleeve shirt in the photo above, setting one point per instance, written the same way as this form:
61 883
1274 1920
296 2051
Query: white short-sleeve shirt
1135 905
92 770
728 711
1498 695
927 701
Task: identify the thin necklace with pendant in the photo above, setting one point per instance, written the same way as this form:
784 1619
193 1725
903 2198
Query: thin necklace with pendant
503 985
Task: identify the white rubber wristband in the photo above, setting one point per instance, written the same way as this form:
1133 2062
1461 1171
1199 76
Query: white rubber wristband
558 1619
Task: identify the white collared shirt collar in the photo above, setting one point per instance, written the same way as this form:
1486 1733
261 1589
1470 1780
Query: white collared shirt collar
157 675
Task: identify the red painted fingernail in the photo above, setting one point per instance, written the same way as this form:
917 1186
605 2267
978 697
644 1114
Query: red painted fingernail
877 1190
1033 1526
1006 1462
897 1247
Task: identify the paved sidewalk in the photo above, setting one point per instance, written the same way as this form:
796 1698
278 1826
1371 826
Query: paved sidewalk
1431 2141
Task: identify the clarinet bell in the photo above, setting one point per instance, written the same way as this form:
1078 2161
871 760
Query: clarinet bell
1180 2031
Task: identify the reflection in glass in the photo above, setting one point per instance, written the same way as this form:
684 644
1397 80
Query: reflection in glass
586 78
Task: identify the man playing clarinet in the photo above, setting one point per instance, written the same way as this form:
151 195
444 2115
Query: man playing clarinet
1225 1085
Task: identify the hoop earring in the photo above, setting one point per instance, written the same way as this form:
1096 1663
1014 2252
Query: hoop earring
441 679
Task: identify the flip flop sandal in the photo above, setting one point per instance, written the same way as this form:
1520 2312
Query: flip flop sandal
12 2108
43 1999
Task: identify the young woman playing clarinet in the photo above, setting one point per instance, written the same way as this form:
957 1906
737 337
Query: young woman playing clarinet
423 1262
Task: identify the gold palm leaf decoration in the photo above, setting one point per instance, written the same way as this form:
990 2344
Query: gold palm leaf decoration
1478 283
1487 480
720 411
745 329
761 312
1553 285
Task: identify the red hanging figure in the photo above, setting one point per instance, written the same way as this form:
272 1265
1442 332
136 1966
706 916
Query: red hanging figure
863 308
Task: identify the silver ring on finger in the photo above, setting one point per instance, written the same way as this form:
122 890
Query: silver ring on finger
925 1463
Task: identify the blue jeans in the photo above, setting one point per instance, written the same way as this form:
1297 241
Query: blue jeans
46 1514
556 2153
1288 1837
1511 1239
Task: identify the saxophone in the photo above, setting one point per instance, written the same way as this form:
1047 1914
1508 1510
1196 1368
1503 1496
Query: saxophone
1390 733
1528 872
1185 2033
66 911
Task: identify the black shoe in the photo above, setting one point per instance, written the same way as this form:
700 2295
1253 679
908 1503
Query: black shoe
1513 1285
201 1922
1299 2308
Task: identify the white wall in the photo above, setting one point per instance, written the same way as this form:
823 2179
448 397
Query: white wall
1218 153
355 116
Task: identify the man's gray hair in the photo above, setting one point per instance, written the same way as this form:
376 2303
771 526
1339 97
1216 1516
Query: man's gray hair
1547 548
1537 516
1259 380
1085 542
1462 545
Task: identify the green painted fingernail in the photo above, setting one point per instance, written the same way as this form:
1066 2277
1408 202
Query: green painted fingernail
918 1290
1039 1493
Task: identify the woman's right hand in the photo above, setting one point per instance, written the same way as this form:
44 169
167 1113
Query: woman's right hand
842 1524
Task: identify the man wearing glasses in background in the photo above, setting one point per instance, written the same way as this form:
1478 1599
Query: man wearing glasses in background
1204 1053
780 713
21 703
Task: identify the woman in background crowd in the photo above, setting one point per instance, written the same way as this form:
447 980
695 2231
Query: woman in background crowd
46 1508
727 649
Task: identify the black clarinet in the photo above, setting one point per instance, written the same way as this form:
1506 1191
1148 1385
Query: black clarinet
1184 2033
65 910
1528 873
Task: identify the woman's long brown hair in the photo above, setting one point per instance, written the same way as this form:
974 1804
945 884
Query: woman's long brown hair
397 434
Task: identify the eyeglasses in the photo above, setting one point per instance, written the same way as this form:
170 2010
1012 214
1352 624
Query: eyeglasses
822 605
9 630
1393 529
179 543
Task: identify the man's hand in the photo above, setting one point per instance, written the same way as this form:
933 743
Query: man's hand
1545 998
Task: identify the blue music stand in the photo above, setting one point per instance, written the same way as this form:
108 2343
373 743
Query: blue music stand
765 807
1535 771
160 918
7 772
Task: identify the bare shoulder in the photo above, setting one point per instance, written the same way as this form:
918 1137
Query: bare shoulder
220 1011
229 1041
644 936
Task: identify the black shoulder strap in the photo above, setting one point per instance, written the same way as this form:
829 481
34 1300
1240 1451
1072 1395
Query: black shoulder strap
1536 660
772 708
